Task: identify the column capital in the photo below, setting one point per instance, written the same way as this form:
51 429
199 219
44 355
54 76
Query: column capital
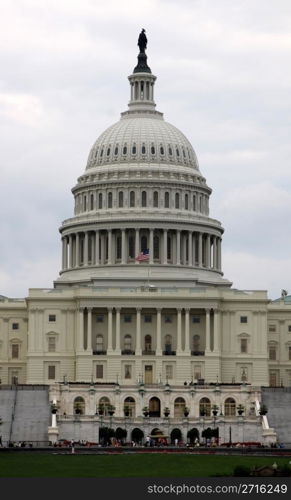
117 309
138 308
109 308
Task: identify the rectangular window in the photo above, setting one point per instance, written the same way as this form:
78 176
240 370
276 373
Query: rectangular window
127 371
15 326
51 372
289 328
195 319
51 344
168 319
272 353
289 353
243 319
147 318
15 351
52 318
99 371
243 345
272 328
99 318
169 371
127 318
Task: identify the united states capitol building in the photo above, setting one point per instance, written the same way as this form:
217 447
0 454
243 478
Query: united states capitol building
141 330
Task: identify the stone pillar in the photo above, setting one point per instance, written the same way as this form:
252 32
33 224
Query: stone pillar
117 331
136 244
109 233
77 258
199 249
219 254
89 329
208 252
123 247
165 246
151 246
71 250
97 247
194 250
190 248
102 249
159 332
109 331
207 331
86 248
81 330
216 331
179 331
138 331
187 331
63 252
178 248
214 253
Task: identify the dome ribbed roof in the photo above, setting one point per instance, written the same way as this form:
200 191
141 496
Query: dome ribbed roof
141 138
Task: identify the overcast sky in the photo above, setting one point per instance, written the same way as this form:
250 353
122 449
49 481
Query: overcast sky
224 79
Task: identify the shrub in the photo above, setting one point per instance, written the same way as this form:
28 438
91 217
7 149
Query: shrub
241 471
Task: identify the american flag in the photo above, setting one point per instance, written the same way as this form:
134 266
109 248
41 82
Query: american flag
144 255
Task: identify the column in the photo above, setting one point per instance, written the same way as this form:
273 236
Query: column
89 329
199 249
208 252
136 244
85 260
109 233
207 331
187 331
102 248
165 246
97 247
117 330
216 331
71 250
123 246
219 254
190 248
63 252
109 330
179 331
159 339
151 246
194 250
138 331
81 330
214 253
178 242
77 259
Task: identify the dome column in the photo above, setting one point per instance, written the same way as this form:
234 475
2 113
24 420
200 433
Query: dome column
71 250
165 247
117 330
178 247
151 246
200 249
190 263
136 244
207 331
77 251
208 252
219 254
109 330
123 246
97 247
109 235
214 253
85 257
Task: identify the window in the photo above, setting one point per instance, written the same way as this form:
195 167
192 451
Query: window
153 150
124 151
132 199
51 372
196 343
91 202
85 203
195 319
168 319
272 353
52 318
147 318
197 372
272 328
15 326
186 202
243 319
289 328
15 351
167 200
289 353
134 150
143 150
131 252
156 247
51 344
127 343
127 371
156 199
99 318
177 200
118 247
177 152
79 405
143 199
229 407
99 371
170 151
162 150
179 407
99 342
109 201
243 345
127 318
148 343
168 343
100 201
194 202
169 372
129 407
204 407
116 151
120 199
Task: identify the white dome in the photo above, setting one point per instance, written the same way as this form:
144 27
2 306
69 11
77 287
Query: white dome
142 138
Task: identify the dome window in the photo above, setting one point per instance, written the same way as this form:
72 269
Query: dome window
101 153
120 199
194 203
153 150
170 151
156 199
167 200
144 199
177 152
124 151
143 150
184 154
108 151
132 199
109 200
134 150
177 200
162 151
91 202
116 151
186 202
100 201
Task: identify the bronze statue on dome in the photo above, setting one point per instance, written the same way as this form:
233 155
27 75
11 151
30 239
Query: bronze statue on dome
142 41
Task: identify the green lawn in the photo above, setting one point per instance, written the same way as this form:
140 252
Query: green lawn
146 465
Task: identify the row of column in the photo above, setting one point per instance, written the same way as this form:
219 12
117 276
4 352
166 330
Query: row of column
107 247
84 337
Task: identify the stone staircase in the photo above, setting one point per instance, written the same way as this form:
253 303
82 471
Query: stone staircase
278 401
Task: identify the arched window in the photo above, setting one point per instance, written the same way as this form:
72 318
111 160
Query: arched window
129 407
168 344
109 200
143 150
127 343
99 342
133 149
177 200
170 151
100 201
124 151
177 152
179 407
167 200
104 406
143 199
153 150
116 151
156 247
162 151
101 152
148 343
108 151
132 199
205 407
79 406
186 202
229 407
156 199
120 199
154 407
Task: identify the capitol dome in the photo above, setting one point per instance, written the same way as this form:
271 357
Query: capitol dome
141 205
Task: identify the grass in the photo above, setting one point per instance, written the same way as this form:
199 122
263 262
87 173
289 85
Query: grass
144 465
